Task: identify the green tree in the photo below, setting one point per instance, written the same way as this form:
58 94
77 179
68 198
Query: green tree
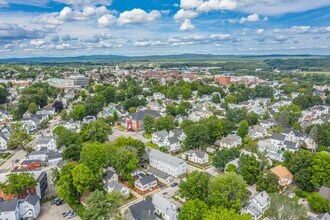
101 205
78 112
126 161
33 108
72 153
301 159
97 131
224 214
321 169
196 135
290 112
230 98
231 168
243 129
228 191
148 124
252 118
236 115
165 123
4 93
16 183
249 168
193 209
318 203
18 135
82 178
223 156
64 186
267 181
216 98
196 186
94 156
282 207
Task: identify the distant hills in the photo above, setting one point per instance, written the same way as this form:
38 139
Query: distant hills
114 59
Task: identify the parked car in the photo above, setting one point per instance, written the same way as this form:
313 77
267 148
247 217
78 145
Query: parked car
174 184
59 202
71 215
55 201
66 213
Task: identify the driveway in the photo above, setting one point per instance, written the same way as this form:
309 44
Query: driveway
54 212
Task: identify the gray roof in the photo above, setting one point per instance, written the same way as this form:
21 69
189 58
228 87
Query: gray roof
277 136
177 131
254 209
32 199
174 161
199 153
173 140
109 174
44 139
3 136
147 179
158 173
262 198
295 132
54 155
143 210
9 206
141 114
162 134
290 145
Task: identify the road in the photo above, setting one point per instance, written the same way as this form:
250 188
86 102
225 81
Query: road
20 154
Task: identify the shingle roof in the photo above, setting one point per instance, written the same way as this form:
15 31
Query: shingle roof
174 161
141 114
277 136
173 140
147 179
325 192
32 199
8 206
44 139
143 210
158 173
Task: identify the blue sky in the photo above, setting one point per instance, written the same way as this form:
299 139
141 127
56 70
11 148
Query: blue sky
31 28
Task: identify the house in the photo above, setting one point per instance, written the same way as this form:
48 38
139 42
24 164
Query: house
48 142
3 142
177 132
146 183
135 121
160 175
88 119
159 137
116 186
291 146
47 110
257 132
200 157
233 162
109 176
16 209
210 150
325 192
271 151
167 163
158 96
277 139
325 216
173 144
293 135
142 210
284 175
257 205
230 141
164 207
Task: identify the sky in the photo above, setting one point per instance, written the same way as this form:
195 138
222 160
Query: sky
33 28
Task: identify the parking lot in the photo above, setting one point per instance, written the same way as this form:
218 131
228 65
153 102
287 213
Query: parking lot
116 133
54 212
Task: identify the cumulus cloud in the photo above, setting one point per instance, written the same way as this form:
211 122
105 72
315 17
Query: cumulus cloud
250 18
185 14
220 37
106 20
37 43
138 16
10 31
216 5
304 30
187 25
260 31
189 4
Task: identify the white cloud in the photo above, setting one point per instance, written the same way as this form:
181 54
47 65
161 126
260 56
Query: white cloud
304 30
189 4
3 3
37 43
138 16
220 37
106 20
185 14
187 25
216 5
250 18
260 31
85 2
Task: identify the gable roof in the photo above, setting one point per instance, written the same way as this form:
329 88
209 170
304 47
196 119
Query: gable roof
325 192
174 161
141 114
9 206
277 136
32 199
281 172
45 139
147 179
143 210
173 140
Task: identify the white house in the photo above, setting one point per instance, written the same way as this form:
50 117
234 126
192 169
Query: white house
200 157
177 132
257 132
164 207
159 137
116 186
258 205
277 140
48 142
158 96
88 119
146 183
230 141
268 123
3 142
167 163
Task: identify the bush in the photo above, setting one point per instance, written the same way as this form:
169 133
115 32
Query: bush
301 193
318 203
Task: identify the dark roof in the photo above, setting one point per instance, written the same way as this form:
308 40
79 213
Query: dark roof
32 199
141 114
9 206
325 192
147 179
290 145
158 173
277 136
173 140
143 210
295 132
109 174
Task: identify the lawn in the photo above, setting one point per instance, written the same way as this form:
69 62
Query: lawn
152 145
